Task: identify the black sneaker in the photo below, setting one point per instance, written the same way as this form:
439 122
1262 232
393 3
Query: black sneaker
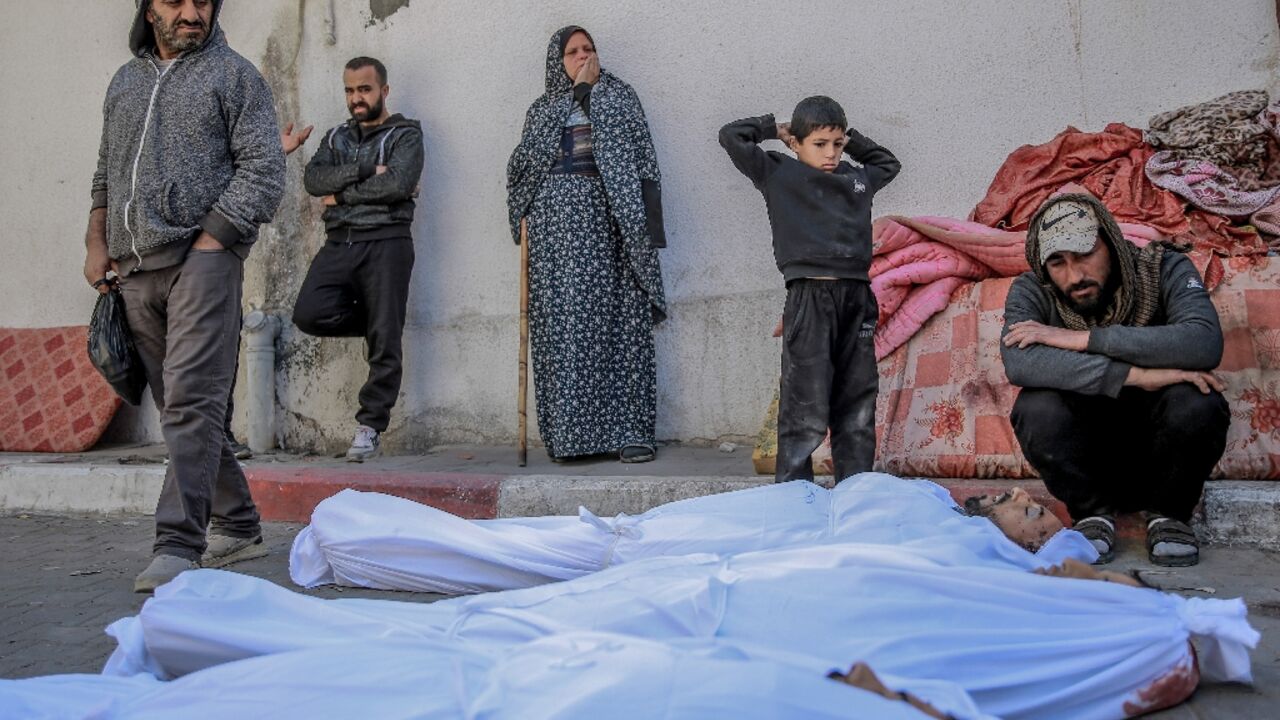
239 449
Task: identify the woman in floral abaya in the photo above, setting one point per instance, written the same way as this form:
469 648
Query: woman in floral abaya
584 184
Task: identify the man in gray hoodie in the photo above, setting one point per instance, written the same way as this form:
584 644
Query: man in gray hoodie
1113 347
189 166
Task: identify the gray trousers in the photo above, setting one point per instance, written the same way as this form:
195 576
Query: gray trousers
185 322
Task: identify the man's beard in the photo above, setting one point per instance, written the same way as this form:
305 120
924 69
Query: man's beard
1093 307
168 36
373 112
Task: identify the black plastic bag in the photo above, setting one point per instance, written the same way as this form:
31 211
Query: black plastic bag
111 348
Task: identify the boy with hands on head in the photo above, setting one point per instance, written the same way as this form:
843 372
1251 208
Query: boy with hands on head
820 216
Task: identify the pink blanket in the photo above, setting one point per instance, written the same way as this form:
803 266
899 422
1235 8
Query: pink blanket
917 263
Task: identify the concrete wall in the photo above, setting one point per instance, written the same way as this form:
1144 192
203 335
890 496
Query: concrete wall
951 87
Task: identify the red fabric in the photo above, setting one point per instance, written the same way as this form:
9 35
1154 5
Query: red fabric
52 399
1111 166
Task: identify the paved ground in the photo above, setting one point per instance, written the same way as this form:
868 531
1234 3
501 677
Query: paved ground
65 578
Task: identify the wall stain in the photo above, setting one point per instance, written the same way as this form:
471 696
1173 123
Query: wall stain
1074 13
380 10
285 246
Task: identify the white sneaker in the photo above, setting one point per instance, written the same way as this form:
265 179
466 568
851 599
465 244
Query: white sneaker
162 569
223 550
364 445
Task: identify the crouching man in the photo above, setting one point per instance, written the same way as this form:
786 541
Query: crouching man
1113 346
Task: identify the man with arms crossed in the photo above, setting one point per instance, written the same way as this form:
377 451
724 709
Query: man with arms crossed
366 174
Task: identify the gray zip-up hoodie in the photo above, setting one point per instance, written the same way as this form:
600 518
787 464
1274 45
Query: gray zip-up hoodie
191 147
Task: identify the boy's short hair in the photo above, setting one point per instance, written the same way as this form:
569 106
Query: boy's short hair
815 113
356 63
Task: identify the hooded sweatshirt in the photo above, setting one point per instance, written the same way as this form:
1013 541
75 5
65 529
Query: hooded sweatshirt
369 206
1182 333
188 147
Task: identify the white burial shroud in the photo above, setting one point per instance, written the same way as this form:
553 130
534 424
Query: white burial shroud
1022 645
575 675
372 540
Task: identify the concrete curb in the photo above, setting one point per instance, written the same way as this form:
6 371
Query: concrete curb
290 494
532 495
1233 512
79 488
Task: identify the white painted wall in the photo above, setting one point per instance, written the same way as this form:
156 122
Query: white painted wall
951 87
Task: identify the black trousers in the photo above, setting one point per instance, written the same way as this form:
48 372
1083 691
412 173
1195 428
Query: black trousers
829 377
361 289
1141 451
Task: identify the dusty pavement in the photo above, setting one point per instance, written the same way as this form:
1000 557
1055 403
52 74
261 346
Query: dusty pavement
64 578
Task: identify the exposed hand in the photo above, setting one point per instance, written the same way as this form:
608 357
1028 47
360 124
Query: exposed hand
290 141
784 133
590 71
329 201
1029 332
96 260
862 676
96 267
1154 379
417 189
1071 568
777 329
207 242
379 169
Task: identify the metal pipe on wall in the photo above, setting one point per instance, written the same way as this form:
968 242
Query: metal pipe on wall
261 331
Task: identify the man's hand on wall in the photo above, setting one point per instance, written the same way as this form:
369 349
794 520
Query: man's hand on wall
290 140
1156 378
1028 332
207 242
329 201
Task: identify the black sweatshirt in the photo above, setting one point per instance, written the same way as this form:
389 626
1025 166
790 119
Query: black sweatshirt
821 221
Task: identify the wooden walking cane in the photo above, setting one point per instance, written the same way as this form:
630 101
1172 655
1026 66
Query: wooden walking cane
523 393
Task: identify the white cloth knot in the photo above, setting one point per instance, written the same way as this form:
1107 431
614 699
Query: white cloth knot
623 526
1222 627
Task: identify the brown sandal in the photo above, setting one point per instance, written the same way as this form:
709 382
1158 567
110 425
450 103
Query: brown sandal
1166 530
